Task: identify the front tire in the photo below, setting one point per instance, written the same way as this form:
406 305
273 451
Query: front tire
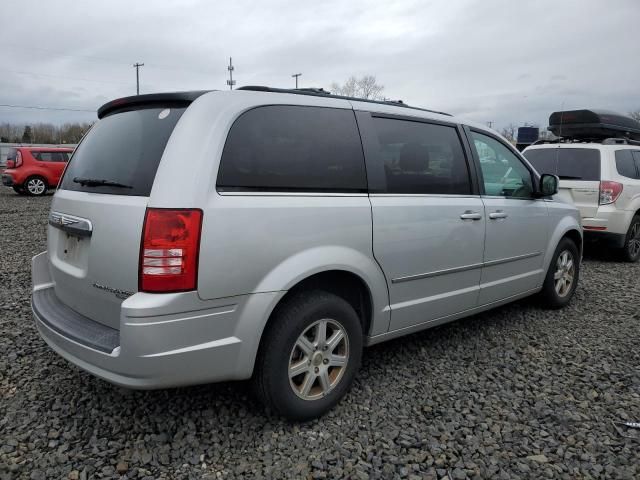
309 355
631 250
36 186
563 275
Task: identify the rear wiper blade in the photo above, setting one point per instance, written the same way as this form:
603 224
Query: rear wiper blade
98 182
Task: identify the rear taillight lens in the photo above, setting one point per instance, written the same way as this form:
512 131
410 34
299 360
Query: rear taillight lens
11 164
609 192
18 159
169 250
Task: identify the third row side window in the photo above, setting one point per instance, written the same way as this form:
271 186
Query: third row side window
421 158
294 148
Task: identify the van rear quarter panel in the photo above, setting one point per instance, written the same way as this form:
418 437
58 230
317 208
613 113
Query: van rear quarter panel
256 243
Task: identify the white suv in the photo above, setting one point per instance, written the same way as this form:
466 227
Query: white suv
603 181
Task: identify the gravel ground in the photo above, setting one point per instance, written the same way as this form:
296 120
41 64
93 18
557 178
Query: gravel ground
517 392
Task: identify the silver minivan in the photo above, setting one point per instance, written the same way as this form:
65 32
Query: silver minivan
271 234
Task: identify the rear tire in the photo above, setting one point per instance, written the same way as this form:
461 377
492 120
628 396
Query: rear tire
562 277
631 250
308 356
36 186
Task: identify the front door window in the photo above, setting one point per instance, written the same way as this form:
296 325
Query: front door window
503 173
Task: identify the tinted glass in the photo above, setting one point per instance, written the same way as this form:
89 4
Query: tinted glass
636 158
125 148
625 164
567 163
293 148
58 157
12 154
421 157
504 174
43 156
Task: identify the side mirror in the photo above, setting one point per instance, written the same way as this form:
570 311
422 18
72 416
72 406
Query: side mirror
548 185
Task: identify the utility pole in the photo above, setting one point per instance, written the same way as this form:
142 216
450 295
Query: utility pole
137 66
296 75
231 82
490 124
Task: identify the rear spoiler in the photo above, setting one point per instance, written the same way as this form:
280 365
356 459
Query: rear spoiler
136 102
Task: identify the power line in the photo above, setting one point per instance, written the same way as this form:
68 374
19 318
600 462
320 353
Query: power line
33 107
94 58
46 75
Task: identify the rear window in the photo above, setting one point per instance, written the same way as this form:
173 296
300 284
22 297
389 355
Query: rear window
293 148
123 148
12 154
567 163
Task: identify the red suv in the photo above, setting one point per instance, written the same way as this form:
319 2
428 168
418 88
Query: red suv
33 170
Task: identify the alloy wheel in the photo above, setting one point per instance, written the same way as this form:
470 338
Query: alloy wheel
318 359
564 274
36 186
634 240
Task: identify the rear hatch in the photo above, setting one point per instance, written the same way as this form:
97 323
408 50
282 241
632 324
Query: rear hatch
579 172
97 214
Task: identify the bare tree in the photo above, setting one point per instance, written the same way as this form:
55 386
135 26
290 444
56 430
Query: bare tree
635 115
365 87
45 133
509 132
11 132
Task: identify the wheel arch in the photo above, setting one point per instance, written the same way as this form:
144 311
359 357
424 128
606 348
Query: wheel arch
576 237
351 275
567 226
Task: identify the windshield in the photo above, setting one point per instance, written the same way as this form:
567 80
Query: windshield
124 148
566 163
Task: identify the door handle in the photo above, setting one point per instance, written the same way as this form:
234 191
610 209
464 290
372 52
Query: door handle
469 215
498 214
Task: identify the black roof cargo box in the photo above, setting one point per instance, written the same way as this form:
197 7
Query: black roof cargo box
593 124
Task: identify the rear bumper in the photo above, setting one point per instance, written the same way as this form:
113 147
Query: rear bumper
609 219
7 180
163 341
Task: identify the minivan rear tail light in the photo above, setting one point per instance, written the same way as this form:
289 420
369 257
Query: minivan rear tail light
169 250
609 192
18 159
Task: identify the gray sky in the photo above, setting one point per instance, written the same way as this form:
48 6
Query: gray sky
486 60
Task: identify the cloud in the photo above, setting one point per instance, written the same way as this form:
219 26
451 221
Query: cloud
498 60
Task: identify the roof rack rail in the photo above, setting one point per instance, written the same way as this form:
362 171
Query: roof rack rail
620 141
314 90
321 92
603 141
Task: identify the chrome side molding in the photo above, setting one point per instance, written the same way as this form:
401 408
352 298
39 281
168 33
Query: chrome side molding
464 268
